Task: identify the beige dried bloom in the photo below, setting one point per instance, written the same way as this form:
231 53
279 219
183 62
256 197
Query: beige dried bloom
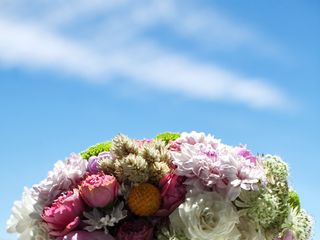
158 170
138 162
135 168
122 146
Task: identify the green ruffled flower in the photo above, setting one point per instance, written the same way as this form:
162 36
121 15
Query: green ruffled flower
96 149
168 136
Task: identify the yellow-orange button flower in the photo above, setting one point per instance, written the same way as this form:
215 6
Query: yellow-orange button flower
144 199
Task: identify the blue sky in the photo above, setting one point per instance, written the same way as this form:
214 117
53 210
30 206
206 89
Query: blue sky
76 73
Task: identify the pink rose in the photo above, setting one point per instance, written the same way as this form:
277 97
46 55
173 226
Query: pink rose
64 214
135 230
172 193
98 190
84 235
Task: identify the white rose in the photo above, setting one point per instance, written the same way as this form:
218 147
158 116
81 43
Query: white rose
205 215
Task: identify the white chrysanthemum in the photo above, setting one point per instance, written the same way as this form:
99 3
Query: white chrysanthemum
63 177
98 220
205 215
24 221
250 230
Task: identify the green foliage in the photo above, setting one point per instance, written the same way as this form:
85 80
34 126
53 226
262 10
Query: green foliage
167 137
277 174
269 207
96 149
294 199
299 222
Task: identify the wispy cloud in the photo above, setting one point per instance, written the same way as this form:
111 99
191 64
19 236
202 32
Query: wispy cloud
116 43
29 45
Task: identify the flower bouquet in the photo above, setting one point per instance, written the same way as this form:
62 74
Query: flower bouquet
176 186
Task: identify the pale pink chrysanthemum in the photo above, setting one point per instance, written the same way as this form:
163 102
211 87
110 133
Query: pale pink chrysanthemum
63 177
218 166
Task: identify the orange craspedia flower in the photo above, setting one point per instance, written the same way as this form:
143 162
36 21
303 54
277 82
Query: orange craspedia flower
144 199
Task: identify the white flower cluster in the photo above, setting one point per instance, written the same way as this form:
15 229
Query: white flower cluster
24 221
96 219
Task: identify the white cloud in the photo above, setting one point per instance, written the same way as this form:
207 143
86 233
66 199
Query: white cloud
106 53
28 45
208 81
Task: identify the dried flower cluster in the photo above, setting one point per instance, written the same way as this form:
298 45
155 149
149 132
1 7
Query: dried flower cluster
137 162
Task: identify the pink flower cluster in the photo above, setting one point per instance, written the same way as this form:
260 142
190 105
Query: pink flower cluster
64 216
220 167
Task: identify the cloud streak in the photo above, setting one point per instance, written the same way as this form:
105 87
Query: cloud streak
28 45
132 53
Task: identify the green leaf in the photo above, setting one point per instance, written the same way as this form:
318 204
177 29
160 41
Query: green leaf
294 199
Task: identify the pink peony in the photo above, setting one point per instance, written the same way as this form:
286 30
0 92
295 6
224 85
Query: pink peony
135 230
98 190
172 193
64 214
84 235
